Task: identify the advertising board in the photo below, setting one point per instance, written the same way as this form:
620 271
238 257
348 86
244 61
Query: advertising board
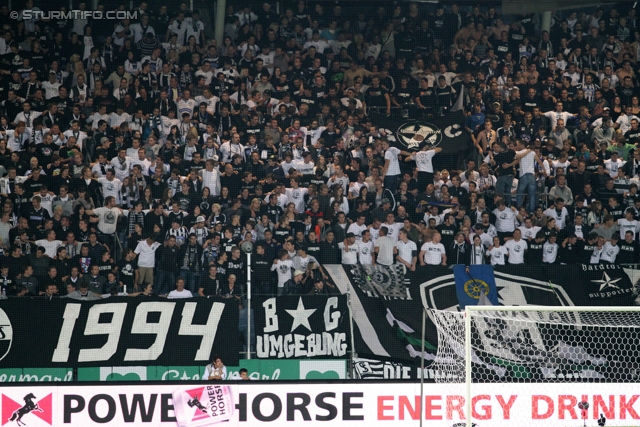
371 403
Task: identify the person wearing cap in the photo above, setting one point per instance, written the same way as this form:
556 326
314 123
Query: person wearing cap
478 230
178 231
296 285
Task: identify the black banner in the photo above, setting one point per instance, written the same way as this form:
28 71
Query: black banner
302 327
446 132
117 332
388 306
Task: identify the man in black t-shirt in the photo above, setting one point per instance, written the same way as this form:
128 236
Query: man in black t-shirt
210 284
503 155
377 96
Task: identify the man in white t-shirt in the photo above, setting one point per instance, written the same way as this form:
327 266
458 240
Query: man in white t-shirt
516 248
424 164
349 249
407 251
366 249
179 292
146 251
528 231
505 219
559 213
358 227
628 223
385 247
108 215
391 170
527 180
432 251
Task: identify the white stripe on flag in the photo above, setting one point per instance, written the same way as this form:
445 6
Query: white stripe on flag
368 332
459 105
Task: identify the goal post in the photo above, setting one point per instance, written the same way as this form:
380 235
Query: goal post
590 354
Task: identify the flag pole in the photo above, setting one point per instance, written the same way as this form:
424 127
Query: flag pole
424 325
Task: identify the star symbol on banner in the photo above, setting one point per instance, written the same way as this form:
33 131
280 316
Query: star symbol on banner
607 282
301 316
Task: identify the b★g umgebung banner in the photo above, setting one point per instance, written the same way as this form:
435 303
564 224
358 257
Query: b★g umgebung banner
302 327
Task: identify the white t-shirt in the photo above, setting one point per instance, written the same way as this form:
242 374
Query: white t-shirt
433 253
516 251
549 252
498 255
528 232
296 196
609 252
394 165
423 160
146 254
406 250
560 218
50 247
357 230
108 219
393 230
350 255
626 225
505 220
364 252
283 268
385 245
111 188
174 294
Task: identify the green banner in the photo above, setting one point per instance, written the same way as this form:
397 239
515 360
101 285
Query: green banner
19 375
264 369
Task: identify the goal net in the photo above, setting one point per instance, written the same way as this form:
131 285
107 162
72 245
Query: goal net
546 366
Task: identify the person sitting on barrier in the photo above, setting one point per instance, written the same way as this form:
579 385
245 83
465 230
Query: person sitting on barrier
215 370
180 292
83 293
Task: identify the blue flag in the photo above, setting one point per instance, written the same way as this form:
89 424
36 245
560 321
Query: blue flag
476 285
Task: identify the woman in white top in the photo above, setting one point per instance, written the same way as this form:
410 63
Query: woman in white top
338 196
132 66
498 253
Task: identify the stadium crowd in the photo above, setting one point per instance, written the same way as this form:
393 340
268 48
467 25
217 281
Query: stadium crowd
138 156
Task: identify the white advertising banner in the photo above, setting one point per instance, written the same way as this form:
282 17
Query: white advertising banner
231 404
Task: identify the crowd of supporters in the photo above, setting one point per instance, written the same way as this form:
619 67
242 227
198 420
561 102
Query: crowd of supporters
138 156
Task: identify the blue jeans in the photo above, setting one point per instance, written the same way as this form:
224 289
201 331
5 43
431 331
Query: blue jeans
391 183
527 185
165 281
191 280
503 187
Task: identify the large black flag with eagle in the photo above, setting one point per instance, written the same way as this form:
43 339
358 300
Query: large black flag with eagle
446 132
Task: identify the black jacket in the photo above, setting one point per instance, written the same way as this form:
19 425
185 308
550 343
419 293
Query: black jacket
197 265
459 253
